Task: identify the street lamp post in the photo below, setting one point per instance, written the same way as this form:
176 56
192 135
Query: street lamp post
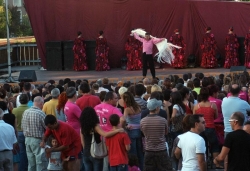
9 79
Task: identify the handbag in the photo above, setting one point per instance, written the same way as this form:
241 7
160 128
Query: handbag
98 150
177 121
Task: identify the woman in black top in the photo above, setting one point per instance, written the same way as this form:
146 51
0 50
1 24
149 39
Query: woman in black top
89 125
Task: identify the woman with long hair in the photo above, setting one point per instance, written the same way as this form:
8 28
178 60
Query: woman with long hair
62 100
132 114
185 93
179 111
210 112
90 125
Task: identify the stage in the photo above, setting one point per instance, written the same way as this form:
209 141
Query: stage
114 74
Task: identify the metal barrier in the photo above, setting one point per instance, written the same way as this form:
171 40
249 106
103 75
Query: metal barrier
21 54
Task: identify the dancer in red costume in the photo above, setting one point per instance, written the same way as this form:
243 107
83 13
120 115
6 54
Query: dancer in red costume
247 49
133 49
180 60
80 59
231 47
208 48
102 53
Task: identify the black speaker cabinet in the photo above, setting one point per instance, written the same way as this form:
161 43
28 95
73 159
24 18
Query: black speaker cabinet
27 76
54 56
241 50
68 55
90 53
238 69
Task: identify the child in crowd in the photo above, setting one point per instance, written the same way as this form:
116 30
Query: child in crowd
118 145
55 162
133 163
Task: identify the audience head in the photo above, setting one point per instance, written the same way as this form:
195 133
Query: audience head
38 102
55 93
88 120
197 123
2 93
196 82
51 122
105 80
114 120
71 92
102 95
237 120
213 90
84 87
234 89
205 82
23 98
26 86
155 87
122 90
154 105
185 77
247 127
111 98
66 80
139 90
204 94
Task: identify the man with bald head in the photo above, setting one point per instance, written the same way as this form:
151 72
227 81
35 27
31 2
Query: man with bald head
33 129
233 104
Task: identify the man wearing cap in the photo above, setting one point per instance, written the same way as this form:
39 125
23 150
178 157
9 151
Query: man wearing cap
7 140
155 127
49 108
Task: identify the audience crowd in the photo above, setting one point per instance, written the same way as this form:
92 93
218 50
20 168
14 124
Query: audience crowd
187 123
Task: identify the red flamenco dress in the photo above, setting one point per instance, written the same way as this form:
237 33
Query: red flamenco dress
102 52
180 60
133 49
247 50
80 59
208 51
232 46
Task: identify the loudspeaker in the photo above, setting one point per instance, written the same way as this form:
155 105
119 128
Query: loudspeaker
241 50
238 68
90 53
54 56
68 55
27 76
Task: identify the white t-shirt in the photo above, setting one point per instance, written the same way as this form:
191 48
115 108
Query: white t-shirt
190 144
55 162
179 110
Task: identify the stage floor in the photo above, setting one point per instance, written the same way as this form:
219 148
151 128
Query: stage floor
113 74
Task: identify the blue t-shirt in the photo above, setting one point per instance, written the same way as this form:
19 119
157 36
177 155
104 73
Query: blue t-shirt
229 106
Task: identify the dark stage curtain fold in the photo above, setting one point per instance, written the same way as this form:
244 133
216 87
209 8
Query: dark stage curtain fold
60 20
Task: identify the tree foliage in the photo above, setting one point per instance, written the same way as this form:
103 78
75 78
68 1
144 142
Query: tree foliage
17 27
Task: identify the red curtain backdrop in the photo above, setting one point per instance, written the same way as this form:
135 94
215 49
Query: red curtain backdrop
57 20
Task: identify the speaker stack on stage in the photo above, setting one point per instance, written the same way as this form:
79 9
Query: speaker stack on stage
27 76
60 56
54 56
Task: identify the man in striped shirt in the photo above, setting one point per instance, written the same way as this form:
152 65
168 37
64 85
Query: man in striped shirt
33 129
155 127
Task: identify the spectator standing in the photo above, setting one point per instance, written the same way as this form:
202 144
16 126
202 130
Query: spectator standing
71 110
121 103
69 140
139 91
104 110
236 145
49 108
233 104
7 140
26 89
18 112
191 145
154 127
132 114
87 99
33 129
118 146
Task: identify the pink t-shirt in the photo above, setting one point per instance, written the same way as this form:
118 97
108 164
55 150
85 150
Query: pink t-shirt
242 95
218 104
104 111
148 44
73 113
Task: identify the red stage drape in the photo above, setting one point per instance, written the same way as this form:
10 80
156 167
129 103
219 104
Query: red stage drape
59 20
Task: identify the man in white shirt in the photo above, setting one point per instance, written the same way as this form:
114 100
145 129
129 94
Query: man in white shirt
192 146
7 140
